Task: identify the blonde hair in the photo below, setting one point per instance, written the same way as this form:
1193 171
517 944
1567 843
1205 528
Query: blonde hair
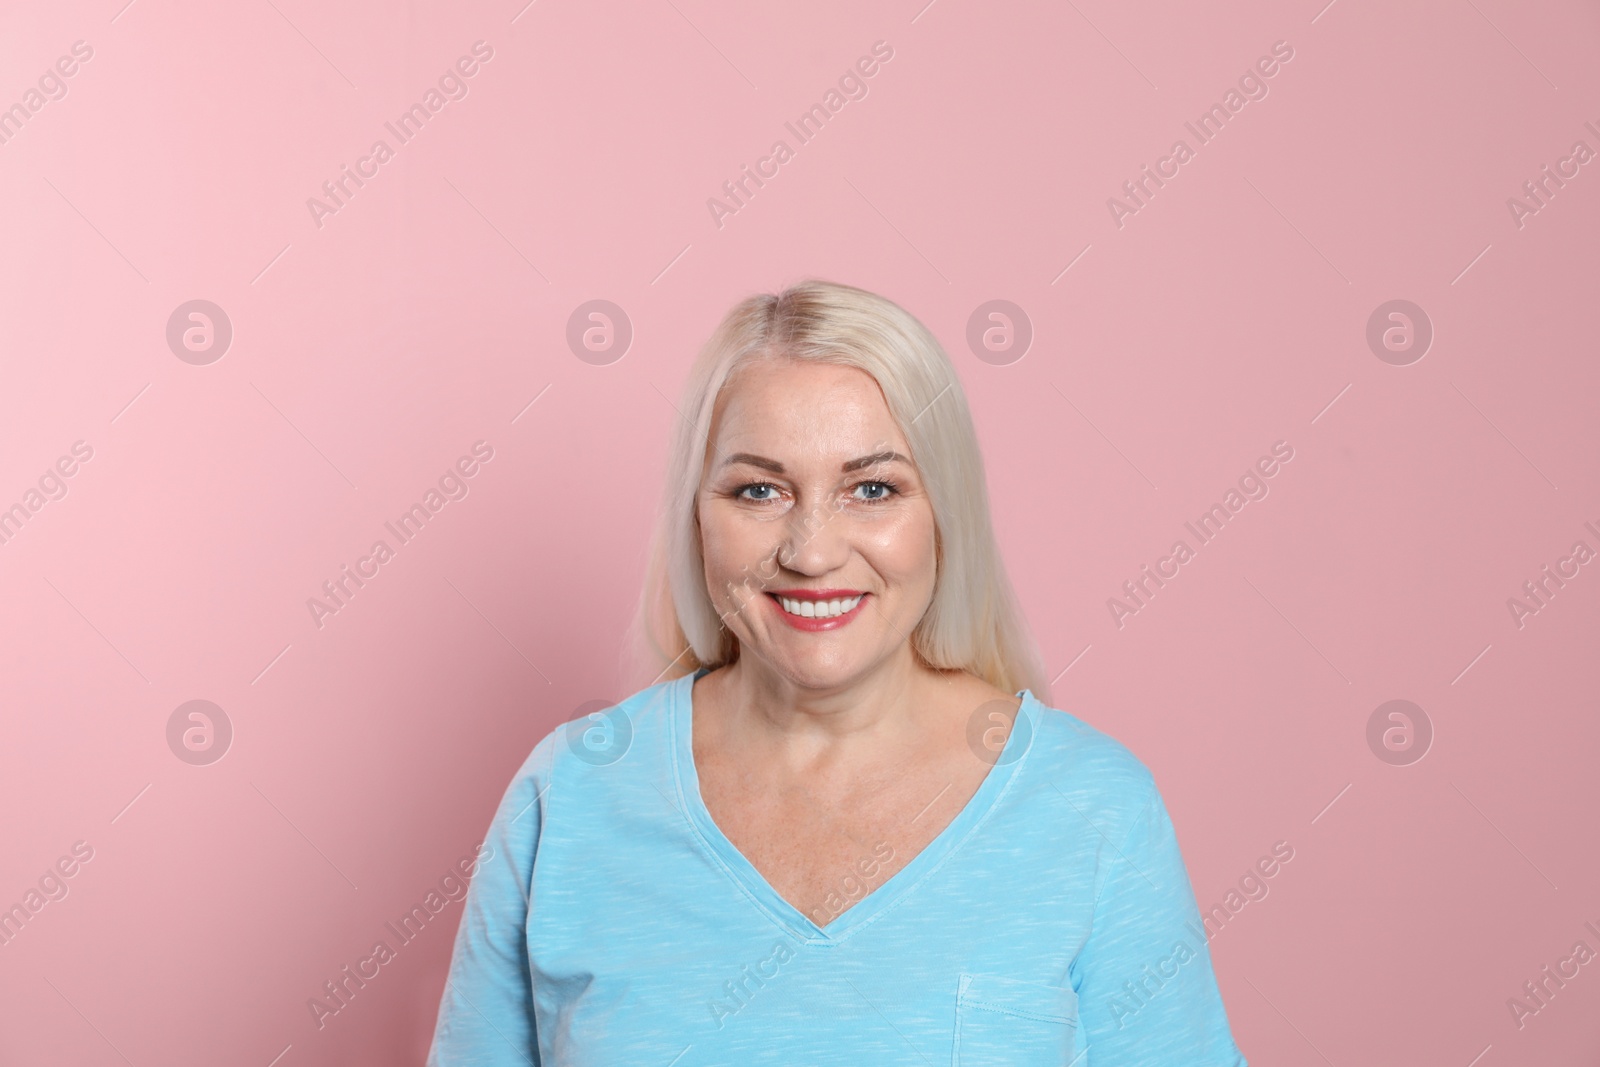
973 622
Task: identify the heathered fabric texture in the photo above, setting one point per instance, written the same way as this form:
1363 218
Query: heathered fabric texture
1052 922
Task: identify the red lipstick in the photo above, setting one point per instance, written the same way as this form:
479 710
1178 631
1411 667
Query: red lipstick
814 625
816 594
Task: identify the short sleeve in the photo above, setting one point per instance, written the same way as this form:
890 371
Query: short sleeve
486 1014
1147 996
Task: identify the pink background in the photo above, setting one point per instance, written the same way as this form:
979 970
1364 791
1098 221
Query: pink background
369 352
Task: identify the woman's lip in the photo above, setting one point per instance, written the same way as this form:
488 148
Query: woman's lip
816 594
814 625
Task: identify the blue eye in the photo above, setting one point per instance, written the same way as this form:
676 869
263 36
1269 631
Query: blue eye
739 493
886 490
890 489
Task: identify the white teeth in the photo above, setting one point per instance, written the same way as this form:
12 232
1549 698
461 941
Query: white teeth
814 609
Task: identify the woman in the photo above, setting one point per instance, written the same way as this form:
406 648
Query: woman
845 829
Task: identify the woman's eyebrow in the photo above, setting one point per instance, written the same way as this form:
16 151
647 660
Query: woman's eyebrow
874 460
853 465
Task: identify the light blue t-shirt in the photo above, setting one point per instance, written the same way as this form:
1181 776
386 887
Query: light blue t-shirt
614 925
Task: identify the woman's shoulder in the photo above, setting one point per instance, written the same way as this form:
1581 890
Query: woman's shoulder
1063 740
1090 768
600 734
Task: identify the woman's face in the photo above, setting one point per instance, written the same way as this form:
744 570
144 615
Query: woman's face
809 490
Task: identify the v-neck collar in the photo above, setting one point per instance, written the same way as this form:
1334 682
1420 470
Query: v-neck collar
892 890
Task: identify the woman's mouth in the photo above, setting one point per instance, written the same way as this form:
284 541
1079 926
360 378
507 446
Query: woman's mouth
817 614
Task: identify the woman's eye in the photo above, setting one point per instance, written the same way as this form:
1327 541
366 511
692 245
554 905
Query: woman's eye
765 492
757 488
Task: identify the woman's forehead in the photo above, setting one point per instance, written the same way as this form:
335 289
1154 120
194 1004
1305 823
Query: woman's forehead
878 459
834 437
798 400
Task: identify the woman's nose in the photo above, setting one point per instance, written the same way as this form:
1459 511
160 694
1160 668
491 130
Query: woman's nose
814 541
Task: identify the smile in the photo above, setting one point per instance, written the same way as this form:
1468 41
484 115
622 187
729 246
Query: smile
815 614
818 609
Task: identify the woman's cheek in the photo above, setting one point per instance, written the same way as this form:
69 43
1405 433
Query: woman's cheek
907 546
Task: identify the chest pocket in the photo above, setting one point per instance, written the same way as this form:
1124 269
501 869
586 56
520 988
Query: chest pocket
1003 1022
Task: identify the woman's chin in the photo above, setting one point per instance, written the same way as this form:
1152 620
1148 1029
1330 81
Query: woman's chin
813 668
